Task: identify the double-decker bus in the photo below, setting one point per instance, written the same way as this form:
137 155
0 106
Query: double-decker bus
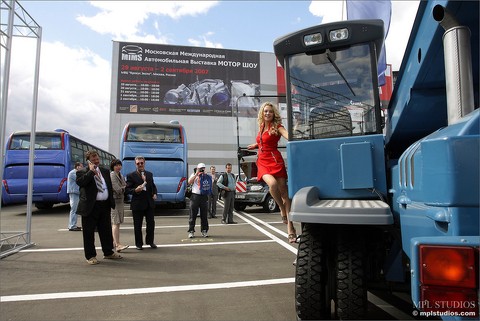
55 155
164 147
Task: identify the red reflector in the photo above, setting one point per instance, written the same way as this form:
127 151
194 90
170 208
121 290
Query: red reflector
180 183
61 184
442 299
5 185
448 266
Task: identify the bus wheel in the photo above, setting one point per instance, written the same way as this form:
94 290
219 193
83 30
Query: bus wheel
44 206
182 205
311 274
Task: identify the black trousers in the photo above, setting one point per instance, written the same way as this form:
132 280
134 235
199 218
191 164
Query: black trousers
98 219
198 202
138 216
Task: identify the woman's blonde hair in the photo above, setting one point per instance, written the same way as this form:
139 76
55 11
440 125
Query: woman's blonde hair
277 120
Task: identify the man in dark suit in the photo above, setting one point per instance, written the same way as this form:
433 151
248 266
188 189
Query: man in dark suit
96 199
144 193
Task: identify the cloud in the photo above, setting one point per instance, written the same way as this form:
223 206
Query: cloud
328 11
124 19
403 15
203 41
73 94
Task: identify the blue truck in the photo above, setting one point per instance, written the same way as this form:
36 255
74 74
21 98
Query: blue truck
385 198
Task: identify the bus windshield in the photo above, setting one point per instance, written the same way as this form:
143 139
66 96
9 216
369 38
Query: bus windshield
43 141
153 134
332 93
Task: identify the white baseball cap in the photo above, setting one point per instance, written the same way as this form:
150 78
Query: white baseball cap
201 165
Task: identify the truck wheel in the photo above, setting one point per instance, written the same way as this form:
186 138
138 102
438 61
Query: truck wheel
311 274
269 205
329 280
240 207
351 286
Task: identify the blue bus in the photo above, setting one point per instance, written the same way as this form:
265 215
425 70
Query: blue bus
55 155
164 146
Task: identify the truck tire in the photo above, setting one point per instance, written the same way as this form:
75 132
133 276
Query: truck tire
351 288
269 205
311 274
330 279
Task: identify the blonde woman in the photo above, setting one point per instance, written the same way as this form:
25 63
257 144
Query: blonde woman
270 163
118 183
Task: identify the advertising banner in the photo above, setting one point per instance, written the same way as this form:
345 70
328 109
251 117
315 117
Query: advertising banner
166 79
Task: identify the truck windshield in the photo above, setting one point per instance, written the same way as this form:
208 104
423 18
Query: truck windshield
332 93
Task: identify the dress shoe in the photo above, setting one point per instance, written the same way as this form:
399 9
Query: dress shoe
92 261
139 248
232 222
153 245
75 229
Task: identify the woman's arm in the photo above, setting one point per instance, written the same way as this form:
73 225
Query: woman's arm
283 132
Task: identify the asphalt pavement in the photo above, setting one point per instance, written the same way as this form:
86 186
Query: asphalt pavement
242 271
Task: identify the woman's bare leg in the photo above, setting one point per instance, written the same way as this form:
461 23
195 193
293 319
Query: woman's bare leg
116 235
276 193
282 186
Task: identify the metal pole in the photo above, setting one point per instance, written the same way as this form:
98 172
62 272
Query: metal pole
32 137
6 76
238 137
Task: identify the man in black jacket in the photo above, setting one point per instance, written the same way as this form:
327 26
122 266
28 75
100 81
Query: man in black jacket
144 193
96 200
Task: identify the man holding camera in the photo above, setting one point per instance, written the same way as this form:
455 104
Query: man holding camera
201 187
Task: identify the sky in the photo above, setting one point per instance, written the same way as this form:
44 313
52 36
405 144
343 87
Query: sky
76 48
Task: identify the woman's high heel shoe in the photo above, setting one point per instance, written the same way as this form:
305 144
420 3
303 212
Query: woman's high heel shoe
293 237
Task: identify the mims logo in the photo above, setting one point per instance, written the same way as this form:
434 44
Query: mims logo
132 52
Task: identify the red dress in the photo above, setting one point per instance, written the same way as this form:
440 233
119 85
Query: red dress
270 160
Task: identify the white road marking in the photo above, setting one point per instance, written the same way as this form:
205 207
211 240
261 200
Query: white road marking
204 241
161 289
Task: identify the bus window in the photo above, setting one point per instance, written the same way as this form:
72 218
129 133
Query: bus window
41 142
154 134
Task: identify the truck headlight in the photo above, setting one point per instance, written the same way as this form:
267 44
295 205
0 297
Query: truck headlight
338 34
313 39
